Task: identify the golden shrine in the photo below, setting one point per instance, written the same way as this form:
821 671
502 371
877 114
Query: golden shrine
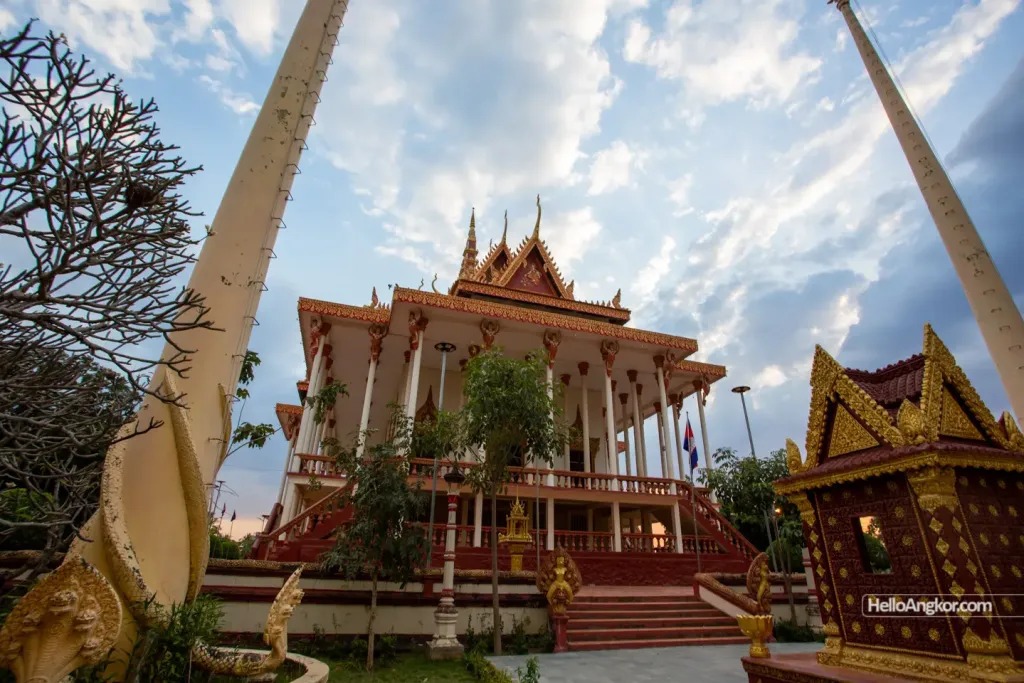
517 537
911 496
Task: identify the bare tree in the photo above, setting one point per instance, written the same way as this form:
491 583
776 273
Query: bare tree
94 235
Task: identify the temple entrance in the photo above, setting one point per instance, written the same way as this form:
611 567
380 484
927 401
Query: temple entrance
576 465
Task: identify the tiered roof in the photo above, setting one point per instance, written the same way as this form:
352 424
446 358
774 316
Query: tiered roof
526 275
918 412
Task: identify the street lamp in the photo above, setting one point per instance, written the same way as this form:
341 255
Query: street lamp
750 435
445 348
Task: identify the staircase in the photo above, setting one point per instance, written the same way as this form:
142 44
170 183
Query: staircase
618 618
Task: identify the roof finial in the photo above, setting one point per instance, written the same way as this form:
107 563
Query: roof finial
504 233
469 254
536 228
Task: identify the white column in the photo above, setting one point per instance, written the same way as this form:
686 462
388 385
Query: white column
676 412
478 520
641 426
585 415
609 423
282 494
416 327
677 526
660 418
699 385
550 545
314 376
403 388
551 395
616 528
550 503
625 432
660 375
565 384
364 419
638 434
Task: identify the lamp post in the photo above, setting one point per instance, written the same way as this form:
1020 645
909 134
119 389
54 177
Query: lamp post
445 644
750 435
445 348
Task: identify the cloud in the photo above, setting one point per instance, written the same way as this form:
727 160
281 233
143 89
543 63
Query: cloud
254 22
503 144
725 51
679 194
611 168
239 103
6 19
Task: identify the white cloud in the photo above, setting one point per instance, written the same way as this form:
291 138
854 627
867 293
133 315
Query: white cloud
726 51
651 278
254 21
679 194
569 236
239 103
770 376
6 19
611 168
199 16
123 31
385 81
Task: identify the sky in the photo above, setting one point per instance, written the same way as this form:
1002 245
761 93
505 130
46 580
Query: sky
726 164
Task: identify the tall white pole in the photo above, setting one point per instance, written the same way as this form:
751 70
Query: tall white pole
993 306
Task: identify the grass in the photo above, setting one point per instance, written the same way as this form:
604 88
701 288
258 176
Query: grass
412 667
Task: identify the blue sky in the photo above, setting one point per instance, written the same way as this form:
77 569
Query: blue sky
725 163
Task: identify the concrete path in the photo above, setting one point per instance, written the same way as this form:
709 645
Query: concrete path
692 664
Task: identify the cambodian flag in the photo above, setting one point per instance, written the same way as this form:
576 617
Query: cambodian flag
690 444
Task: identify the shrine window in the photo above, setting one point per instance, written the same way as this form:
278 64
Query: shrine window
874 553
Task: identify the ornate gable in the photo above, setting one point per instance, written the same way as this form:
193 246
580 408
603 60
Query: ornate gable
924 399
532 270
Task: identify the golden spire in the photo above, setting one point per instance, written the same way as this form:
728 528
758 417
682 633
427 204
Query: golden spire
536 228
469 255
504 233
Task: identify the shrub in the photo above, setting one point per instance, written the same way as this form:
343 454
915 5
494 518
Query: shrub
791 632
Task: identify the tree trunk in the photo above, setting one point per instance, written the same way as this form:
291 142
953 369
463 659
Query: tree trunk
494 572
369 627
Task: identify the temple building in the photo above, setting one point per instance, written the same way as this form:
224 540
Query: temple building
616 492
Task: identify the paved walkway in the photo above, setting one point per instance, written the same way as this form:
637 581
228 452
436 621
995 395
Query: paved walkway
692 664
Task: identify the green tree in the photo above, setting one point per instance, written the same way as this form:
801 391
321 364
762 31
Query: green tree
246 434
381 539
507 411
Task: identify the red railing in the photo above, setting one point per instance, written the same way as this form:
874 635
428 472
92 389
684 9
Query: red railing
713 519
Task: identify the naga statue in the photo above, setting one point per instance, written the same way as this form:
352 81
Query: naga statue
147 546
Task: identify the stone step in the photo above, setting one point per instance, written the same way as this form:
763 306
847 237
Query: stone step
705 613
642 635
666 642
644 607
640 622
585 597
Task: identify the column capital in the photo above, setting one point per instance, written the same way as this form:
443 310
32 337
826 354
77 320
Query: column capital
659 361
566 378
417 324
462 364
639 390
609 349
673 400
552 338
613 385
490 329
623 398
584 368
631 374
840 4
377 333
408 355
474 350
657 406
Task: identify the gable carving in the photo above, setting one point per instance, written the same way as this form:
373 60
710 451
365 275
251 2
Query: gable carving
848 434
955 421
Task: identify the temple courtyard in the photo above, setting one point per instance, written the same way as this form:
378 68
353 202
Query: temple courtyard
699 664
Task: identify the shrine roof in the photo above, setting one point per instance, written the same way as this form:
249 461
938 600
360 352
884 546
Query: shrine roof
288 416
903 413
527 274
893 383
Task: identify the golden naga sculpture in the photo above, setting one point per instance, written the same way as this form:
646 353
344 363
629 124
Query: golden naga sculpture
81 601
559 580
225 661
758 627
71 619
517 538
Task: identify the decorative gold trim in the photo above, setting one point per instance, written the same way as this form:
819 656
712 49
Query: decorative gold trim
935 487
954 421
520 256
369 314
706 370
541 318
848 435
588 307
794 461
901 463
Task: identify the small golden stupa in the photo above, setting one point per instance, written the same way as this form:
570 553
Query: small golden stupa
518 537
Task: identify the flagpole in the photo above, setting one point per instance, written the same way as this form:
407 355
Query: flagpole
693 495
